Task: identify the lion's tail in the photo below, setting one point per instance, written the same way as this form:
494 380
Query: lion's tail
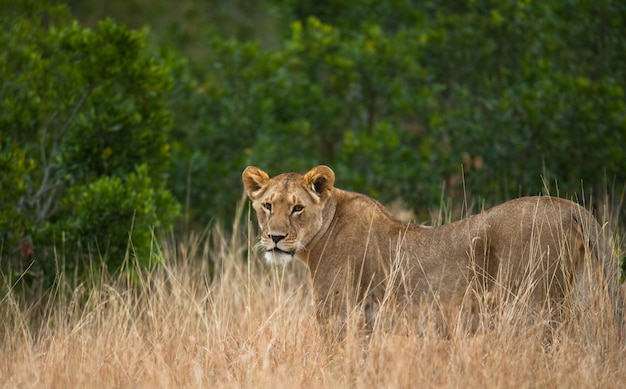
600 244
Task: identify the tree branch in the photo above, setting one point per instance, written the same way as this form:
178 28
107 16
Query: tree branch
47 188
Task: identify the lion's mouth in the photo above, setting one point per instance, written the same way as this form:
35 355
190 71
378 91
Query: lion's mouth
277 250
277 256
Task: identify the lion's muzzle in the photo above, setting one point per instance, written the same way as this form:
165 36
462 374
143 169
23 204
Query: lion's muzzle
278 256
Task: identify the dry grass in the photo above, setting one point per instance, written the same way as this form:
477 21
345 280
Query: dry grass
254 326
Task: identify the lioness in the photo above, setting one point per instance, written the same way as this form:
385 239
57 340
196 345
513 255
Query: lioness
354 247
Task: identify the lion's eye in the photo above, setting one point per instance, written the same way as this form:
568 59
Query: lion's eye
267 206
297 208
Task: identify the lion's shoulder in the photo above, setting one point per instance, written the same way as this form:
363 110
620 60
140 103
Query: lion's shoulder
355 206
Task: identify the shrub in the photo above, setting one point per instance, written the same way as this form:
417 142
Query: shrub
85 125
492 100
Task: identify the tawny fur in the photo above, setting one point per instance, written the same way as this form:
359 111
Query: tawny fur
355 249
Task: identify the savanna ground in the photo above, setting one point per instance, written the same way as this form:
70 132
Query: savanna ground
250 325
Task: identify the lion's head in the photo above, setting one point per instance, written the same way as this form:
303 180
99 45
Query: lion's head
289 207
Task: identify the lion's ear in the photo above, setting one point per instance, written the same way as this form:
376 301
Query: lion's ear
320 179
254 180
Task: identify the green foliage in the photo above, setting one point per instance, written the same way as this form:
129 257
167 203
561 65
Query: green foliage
100 217
392 15
186 24
321 99
401 98
14 225
510 94
85 127
531 94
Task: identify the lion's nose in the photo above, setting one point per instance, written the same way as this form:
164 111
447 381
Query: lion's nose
277 238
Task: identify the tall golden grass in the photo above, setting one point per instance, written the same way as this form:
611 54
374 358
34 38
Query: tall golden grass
250 325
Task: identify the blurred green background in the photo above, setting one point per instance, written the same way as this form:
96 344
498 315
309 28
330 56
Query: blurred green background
125 118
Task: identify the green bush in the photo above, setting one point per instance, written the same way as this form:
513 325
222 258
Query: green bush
14 225
84 128
322 98
114 219
517 92
403 99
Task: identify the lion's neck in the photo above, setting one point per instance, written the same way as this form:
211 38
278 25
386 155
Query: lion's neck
350 220
328 217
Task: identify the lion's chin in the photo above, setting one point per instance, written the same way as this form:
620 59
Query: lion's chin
277 257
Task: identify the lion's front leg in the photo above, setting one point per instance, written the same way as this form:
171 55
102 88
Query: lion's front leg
340 312
331 314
